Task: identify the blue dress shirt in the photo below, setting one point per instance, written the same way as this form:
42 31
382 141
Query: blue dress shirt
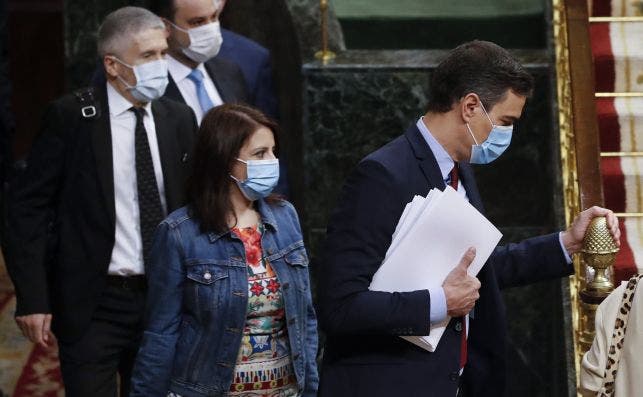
438 306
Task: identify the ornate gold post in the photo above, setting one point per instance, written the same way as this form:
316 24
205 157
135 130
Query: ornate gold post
580 160
598 253
325 54
569 175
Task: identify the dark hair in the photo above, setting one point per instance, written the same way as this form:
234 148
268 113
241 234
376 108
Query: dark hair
480 67
223 132
163 8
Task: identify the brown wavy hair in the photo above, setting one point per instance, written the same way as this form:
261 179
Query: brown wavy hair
223 132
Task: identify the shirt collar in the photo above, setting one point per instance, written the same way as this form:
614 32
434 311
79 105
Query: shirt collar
119 105
445 162
179 71
267 218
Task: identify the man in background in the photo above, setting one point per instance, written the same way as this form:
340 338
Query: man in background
109 165
209 65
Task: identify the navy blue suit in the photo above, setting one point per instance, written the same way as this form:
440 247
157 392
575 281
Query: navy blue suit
254 61
364 355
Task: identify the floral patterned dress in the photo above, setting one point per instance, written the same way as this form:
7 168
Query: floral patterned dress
264 367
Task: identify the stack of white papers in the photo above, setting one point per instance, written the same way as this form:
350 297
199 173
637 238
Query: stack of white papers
430 239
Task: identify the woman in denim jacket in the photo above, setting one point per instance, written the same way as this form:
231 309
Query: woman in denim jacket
229 309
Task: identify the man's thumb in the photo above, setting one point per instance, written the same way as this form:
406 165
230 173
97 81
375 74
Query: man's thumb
467 258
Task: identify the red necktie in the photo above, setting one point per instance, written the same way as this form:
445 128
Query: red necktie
453 182
453 176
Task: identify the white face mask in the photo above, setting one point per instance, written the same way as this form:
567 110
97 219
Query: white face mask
151 80
205 41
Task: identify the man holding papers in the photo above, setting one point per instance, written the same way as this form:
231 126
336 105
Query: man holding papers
397 262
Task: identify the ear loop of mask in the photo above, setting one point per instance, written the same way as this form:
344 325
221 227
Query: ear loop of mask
129 86
488 118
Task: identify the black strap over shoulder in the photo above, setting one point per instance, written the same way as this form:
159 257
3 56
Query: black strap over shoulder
89 106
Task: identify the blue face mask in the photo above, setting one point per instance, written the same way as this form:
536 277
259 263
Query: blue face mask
263 176
497 142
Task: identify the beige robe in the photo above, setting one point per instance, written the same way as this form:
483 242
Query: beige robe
629 378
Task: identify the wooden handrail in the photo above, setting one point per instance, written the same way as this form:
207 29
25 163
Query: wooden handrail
580 149
585 127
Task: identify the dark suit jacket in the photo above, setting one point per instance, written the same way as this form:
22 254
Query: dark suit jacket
227 77
254 61
62 209
364 355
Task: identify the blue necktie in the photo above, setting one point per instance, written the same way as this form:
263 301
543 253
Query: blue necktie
204 99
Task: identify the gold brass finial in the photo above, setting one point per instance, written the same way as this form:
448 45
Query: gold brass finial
599 252
325 54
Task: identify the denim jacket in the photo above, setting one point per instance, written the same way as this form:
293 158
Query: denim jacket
197 303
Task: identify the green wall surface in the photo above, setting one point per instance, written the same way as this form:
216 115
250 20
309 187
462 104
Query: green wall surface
426 24
430 9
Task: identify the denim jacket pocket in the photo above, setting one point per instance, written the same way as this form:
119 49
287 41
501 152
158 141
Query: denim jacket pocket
205 285
298 260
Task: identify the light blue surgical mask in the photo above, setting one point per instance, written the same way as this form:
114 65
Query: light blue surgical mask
263 176
151 80
497 142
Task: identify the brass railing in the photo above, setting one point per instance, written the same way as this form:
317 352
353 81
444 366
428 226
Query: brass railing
580 153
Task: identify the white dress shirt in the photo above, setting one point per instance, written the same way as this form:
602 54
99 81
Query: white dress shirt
127 254
179 73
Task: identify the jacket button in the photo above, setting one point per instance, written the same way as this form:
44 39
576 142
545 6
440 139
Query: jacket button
292 321
207 275
458 326
454 376
285 285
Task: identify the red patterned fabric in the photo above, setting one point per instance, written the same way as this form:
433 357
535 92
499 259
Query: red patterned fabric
25 370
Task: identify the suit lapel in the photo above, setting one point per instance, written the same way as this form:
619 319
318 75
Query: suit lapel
102 146
219 80
168 148
428 163
172 90
468 181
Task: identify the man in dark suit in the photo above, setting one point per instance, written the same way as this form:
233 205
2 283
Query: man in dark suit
109 164
477 94
197 76
210 65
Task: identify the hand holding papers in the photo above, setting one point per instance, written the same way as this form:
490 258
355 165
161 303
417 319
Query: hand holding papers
430 238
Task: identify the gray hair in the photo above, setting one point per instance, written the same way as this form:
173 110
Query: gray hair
121 24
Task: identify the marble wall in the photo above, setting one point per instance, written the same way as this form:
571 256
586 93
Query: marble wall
82 19
366 98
